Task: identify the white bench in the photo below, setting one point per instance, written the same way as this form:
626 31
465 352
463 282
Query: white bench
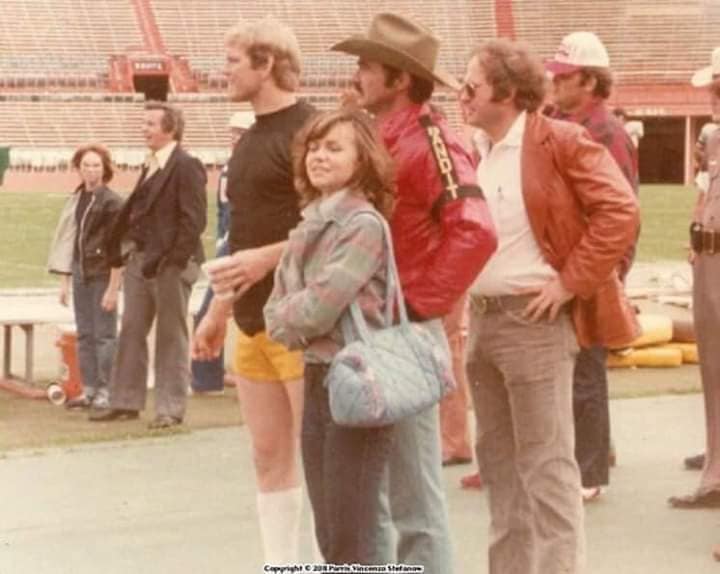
26 313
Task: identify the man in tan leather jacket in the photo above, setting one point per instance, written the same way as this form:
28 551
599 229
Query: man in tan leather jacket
565 216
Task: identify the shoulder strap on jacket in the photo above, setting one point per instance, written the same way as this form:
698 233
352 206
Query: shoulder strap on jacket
452 189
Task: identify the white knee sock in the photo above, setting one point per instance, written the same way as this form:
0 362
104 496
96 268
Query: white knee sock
279 516
317 556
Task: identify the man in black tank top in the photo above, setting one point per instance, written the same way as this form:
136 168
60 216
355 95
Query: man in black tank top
263 209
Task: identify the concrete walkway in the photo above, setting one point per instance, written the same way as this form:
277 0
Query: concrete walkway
186 504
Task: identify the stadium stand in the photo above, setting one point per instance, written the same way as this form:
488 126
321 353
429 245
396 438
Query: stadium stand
195 28
63 43
649 41
73 71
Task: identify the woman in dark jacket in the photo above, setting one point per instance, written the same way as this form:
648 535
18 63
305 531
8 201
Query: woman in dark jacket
78 255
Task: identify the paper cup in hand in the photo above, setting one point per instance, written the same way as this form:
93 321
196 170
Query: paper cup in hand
211 267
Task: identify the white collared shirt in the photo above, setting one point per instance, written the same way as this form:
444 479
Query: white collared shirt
158 159
518 262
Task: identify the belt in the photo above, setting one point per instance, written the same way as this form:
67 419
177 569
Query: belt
704 241
482 304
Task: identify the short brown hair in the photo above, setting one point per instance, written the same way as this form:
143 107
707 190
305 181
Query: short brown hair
265 38
374 178
511 69
172 120
101 151
603 80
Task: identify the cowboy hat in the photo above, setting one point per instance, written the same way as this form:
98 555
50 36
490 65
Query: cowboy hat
401 43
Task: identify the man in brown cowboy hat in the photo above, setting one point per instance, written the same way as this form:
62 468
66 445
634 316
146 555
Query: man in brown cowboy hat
443 236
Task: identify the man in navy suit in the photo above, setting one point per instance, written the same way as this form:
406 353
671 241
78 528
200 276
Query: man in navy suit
161 223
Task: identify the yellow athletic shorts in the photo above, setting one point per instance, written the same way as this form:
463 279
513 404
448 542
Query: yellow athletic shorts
259 358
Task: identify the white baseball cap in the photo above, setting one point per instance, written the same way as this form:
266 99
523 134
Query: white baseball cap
578 50
705 76
241 120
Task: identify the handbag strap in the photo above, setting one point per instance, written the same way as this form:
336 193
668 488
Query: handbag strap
354 321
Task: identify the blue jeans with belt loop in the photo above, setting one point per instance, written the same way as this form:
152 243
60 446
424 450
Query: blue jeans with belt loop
522 374
344 468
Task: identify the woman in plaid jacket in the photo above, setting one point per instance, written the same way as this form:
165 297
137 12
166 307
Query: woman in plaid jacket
335 256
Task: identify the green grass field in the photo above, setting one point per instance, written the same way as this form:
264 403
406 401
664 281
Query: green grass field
26 229
665 214
28 222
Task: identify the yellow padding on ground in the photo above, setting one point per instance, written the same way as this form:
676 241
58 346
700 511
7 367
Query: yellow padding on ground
661 356
689 351
655 329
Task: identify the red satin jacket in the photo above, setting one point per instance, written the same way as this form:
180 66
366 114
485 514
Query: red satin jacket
442 230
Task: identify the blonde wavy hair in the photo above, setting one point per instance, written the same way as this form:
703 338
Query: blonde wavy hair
265 38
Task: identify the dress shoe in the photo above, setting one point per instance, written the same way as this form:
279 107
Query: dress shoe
78 403
695 462
456 460
108 415
164 422
471 481
709 499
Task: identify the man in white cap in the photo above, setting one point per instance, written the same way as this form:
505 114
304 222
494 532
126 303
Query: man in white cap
582 82
634 128
442 235
705 259
208 376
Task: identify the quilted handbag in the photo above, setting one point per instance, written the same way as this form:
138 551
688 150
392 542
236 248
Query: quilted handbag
385 375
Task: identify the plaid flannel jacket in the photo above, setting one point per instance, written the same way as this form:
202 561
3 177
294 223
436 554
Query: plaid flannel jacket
334 256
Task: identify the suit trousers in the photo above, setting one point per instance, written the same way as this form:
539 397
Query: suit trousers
163 299
522 373
454 406
592 416
706 314
208 375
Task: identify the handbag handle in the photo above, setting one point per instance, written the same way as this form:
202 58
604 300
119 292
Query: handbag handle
394 295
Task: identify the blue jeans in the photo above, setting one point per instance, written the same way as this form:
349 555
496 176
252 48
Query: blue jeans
208 375
96 334
412 501
344 468
592 416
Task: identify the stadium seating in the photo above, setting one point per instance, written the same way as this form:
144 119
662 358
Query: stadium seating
60 43
56 79
195 28
648 41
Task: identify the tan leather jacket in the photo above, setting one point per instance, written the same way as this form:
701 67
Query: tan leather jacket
584 216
